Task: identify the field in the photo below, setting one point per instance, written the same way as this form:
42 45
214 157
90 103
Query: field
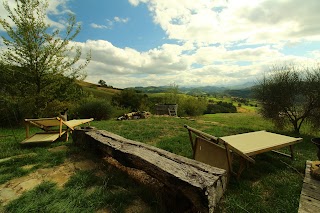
272 184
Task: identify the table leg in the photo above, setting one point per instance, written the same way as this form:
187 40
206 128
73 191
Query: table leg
291 150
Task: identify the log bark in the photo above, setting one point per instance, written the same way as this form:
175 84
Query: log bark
189 185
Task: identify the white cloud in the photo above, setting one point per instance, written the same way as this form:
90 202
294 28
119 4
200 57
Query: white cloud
216 42
183 64
109 23
97 26
58 8
121 20
259 21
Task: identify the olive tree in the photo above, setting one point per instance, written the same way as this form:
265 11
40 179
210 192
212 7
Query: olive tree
39 62
290 95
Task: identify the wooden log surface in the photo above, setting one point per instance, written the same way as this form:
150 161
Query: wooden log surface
310 193
197 183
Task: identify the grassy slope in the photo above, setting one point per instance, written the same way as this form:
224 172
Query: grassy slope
97 91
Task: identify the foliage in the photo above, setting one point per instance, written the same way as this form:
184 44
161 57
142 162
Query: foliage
98 109
102 83
290 96
172 94
129 98
220 107
191 106
39 65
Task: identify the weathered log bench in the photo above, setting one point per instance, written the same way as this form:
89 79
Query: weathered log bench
186 185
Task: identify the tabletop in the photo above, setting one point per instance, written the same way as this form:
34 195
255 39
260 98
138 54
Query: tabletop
253 143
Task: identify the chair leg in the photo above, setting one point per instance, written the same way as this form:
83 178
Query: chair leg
243 165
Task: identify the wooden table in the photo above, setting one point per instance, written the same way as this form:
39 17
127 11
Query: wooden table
250 144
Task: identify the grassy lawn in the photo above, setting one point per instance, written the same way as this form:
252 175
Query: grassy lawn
272 184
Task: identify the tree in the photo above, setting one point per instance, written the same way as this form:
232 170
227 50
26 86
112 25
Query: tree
290 95
41 65
130 99
172 94
102 83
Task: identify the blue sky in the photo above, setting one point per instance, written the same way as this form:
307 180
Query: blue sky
190 42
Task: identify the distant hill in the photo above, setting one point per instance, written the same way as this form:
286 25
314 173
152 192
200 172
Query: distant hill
241 91
234 91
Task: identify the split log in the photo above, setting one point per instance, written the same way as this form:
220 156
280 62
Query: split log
189 185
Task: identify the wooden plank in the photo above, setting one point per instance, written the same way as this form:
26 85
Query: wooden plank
311 181
309 201
42 137
202 134
45 122
307 205
73 123
310 193
195 183
311 190
281 153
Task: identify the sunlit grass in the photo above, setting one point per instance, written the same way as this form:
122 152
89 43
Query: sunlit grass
272 184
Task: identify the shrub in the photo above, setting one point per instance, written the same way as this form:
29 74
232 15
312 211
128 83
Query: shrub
192 106
220 107
94 108
130 99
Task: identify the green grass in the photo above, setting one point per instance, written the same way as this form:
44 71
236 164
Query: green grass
84 192
272 184
13 156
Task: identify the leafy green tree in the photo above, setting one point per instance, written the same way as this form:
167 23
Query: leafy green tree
40 64
290 96
172 94
102 83
130 99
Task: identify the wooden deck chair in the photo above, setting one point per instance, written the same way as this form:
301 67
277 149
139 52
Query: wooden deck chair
213 154
53 128
207 149
200 134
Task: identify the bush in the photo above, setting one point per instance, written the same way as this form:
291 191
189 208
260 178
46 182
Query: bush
131 99
192 106
220 107
94 108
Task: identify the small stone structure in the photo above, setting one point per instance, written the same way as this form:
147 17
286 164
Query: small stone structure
185 185
167 109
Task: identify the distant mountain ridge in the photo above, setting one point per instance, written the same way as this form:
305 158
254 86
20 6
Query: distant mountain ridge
243 90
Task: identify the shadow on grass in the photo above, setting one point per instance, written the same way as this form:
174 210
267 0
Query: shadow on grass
86 192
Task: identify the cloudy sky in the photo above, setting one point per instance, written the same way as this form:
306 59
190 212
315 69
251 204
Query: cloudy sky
190 42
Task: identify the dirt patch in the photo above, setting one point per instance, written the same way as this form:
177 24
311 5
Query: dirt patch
58 149
138 206
58 174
